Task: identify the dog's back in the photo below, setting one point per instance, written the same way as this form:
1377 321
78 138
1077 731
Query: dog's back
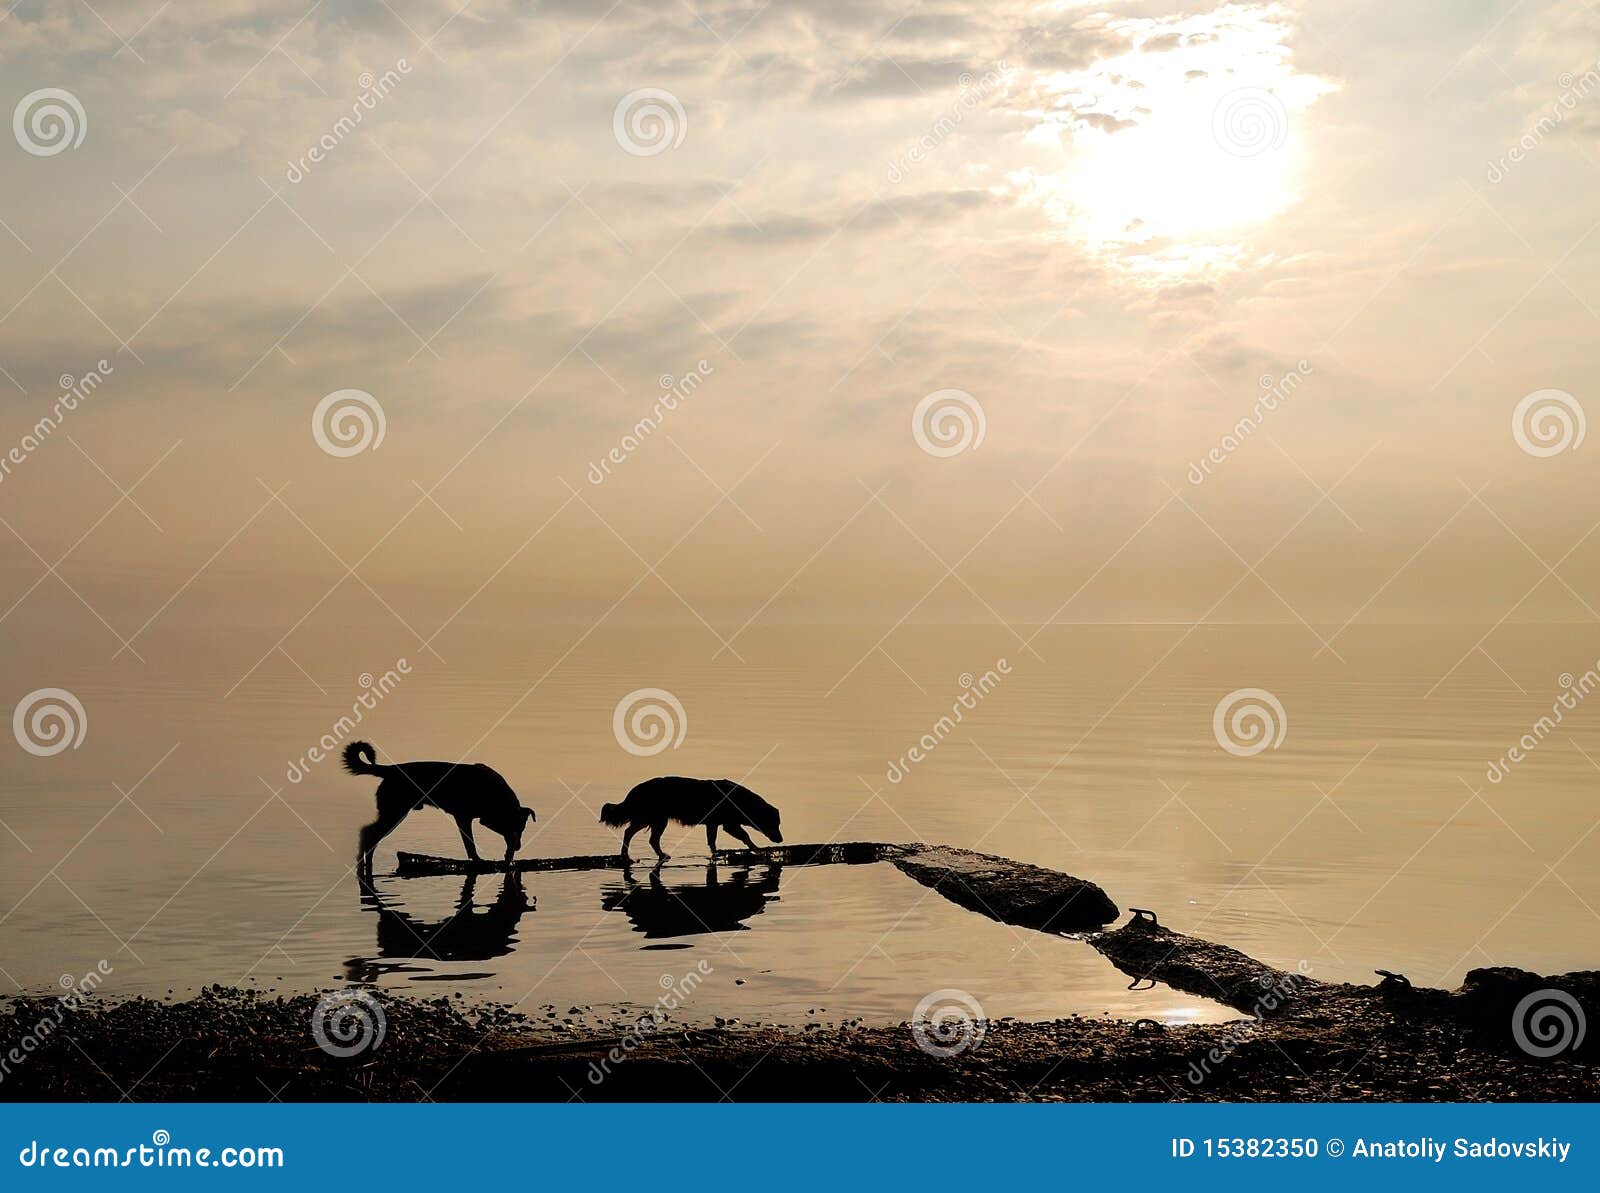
690 801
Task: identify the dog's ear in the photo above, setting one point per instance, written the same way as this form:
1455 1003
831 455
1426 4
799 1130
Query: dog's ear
530 817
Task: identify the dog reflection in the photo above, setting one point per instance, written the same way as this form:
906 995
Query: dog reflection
469 933
660 911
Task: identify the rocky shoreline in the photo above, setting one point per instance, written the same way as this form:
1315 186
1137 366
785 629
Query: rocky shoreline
234 1045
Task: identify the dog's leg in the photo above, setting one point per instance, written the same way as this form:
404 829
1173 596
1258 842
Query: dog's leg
464 827
628 836
711 838
655 840
737 833
372 834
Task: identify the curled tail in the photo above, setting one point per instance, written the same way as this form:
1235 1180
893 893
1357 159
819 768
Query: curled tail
615 815
361 759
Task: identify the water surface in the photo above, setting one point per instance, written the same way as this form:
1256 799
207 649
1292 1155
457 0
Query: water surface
173 845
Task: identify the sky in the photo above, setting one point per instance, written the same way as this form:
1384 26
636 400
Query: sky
958 309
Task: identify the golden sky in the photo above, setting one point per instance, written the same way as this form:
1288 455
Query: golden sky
1103 234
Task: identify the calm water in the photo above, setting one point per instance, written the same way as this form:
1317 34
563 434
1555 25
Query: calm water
1369 838
769 938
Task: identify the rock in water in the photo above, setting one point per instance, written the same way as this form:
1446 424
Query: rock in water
1011 892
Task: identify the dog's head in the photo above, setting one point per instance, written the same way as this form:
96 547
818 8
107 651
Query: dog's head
511 828
766 818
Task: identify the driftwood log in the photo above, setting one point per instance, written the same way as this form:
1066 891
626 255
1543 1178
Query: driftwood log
846 853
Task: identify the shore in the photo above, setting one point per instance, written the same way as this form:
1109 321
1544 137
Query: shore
234 1045
1504 1035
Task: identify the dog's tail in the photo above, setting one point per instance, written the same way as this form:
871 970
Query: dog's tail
615 815
361 759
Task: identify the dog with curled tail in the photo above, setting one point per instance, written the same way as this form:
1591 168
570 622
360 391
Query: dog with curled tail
463 791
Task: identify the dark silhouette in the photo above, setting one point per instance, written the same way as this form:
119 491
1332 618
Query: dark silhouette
468 934
660 911
715 803
464 791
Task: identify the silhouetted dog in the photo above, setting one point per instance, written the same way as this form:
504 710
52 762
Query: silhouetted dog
463 791
715 803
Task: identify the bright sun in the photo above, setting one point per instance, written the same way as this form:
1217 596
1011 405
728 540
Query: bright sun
1173 151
